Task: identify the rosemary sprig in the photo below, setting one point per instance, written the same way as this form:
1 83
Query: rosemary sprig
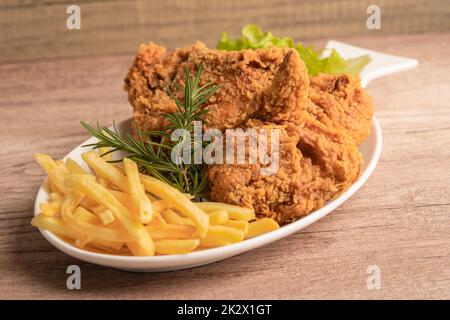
152 150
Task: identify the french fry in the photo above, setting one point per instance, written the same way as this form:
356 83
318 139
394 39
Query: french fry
170 231
105 153
134 247
160 205
168 246
88 203
53 188
52 208
221 235
218 217
88 229
54 225
128 202
97 248
234 212
74 167
174 218
84 215
55 196
62 229
105 170
102 196
105 183
137 192
238 224
45 161
82 243
56 172
178 201
261 226
106 216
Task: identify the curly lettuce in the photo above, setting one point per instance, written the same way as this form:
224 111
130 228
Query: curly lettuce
315 60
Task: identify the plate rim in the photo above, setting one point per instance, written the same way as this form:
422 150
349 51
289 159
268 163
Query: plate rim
211 254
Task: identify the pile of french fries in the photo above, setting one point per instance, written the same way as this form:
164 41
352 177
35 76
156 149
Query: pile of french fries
117 210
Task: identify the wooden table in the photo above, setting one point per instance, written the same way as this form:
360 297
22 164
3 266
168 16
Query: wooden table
399 221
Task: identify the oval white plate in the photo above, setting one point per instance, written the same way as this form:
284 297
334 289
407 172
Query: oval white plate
370 151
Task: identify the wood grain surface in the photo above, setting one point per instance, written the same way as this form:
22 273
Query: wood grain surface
33 29
400 220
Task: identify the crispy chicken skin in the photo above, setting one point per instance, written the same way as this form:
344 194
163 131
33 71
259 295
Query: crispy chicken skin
321 121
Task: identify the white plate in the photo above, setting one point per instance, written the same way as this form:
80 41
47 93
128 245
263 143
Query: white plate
370 151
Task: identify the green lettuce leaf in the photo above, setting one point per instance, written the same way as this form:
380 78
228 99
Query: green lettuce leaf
315 60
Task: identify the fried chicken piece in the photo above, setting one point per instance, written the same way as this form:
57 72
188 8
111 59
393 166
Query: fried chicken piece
297 188
315 165
326 143
288 92
244 77
347 106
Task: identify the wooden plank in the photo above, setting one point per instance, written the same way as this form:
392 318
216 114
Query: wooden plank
399 220
37 29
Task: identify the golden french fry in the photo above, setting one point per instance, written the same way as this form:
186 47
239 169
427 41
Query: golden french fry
134 247
88 203
105 153
106 170
160 205
261 226
210 242
170 246
54 225
57 172
218 217
55 196
171 231
52 208
106 216
178 201
62 229
137 192
45 161
221 235
74 167
128 202
105 183
234 212
53 188
174 218
102 196
238 224
97 248
88 229
84 215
